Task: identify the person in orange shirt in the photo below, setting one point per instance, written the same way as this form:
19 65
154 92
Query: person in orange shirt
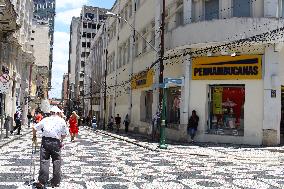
39 117
73 122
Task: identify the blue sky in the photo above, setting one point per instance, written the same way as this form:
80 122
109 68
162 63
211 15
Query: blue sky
65 10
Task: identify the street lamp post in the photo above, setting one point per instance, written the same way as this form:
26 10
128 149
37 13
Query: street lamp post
162 91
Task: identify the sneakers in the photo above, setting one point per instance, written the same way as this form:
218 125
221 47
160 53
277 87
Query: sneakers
38 185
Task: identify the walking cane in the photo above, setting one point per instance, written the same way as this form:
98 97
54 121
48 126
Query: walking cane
32 166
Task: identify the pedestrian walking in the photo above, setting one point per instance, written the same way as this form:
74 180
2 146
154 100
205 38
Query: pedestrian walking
38 117
94 123
110 123
18 121
73 126
192 125
155 123
117 122
29 116
54 131
126 122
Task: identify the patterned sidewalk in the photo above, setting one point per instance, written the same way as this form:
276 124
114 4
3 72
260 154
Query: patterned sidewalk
96 160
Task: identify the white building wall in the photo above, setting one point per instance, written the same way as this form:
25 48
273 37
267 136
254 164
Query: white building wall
41 44
195 33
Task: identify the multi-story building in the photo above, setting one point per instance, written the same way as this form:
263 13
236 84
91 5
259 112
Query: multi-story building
90 22
65 92
44 13
16 55
72 101
40 40
225 57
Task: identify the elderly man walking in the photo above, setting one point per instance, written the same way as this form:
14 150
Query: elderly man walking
54 131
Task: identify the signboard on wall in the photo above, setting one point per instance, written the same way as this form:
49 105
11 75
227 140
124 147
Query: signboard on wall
227 67
142 80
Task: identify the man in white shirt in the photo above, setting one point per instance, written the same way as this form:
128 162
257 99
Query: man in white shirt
54 131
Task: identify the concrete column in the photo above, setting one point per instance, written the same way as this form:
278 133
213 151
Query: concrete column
225 7
187 11
116 59
158 10
131 61
271 104
185 91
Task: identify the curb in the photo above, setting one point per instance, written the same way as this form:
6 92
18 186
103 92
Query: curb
129 141
146 146
15 138
125 139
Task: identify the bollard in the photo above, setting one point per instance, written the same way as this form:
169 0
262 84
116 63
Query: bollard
2 123
7 126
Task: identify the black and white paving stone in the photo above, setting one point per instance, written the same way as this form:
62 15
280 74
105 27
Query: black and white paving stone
100 161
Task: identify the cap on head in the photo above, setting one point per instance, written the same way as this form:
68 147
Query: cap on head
55 109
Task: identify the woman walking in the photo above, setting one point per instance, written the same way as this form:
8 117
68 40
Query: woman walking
73 129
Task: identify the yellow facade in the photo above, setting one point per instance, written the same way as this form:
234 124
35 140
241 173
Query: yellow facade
142 80
227 67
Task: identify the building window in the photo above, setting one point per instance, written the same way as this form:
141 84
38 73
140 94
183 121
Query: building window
282 9
93 35
212 9
88 44
241 8
90 25
130 9
173 104
84 34
226 109
83 54
82 64
33 31
94 26
32 39
179 18
83 44
89 35
144 43
85 25
194 11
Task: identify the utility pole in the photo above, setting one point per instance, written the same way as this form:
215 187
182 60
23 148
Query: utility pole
162 91
105 90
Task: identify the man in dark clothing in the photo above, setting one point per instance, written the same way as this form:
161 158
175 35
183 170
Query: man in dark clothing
117 122
192 125
18 121
29 116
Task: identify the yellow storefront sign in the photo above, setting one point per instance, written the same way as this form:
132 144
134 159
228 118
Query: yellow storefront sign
142 80
227 67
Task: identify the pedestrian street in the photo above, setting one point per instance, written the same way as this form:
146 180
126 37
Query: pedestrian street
99 161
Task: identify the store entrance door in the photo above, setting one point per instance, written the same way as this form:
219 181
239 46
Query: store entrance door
282 116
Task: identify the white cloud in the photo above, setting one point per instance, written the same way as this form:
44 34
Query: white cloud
63 4
65 17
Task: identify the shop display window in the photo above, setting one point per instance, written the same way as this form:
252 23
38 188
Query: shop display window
173 105
226 109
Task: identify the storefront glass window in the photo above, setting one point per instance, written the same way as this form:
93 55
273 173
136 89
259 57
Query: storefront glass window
226 109
173 105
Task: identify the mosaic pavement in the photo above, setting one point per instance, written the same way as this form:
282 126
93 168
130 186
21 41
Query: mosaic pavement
100 161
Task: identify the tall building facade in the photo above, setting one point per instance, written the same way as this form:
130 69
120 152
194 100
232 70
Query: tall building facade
72 102
89 23
65 92
16 56
44 13
217 72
